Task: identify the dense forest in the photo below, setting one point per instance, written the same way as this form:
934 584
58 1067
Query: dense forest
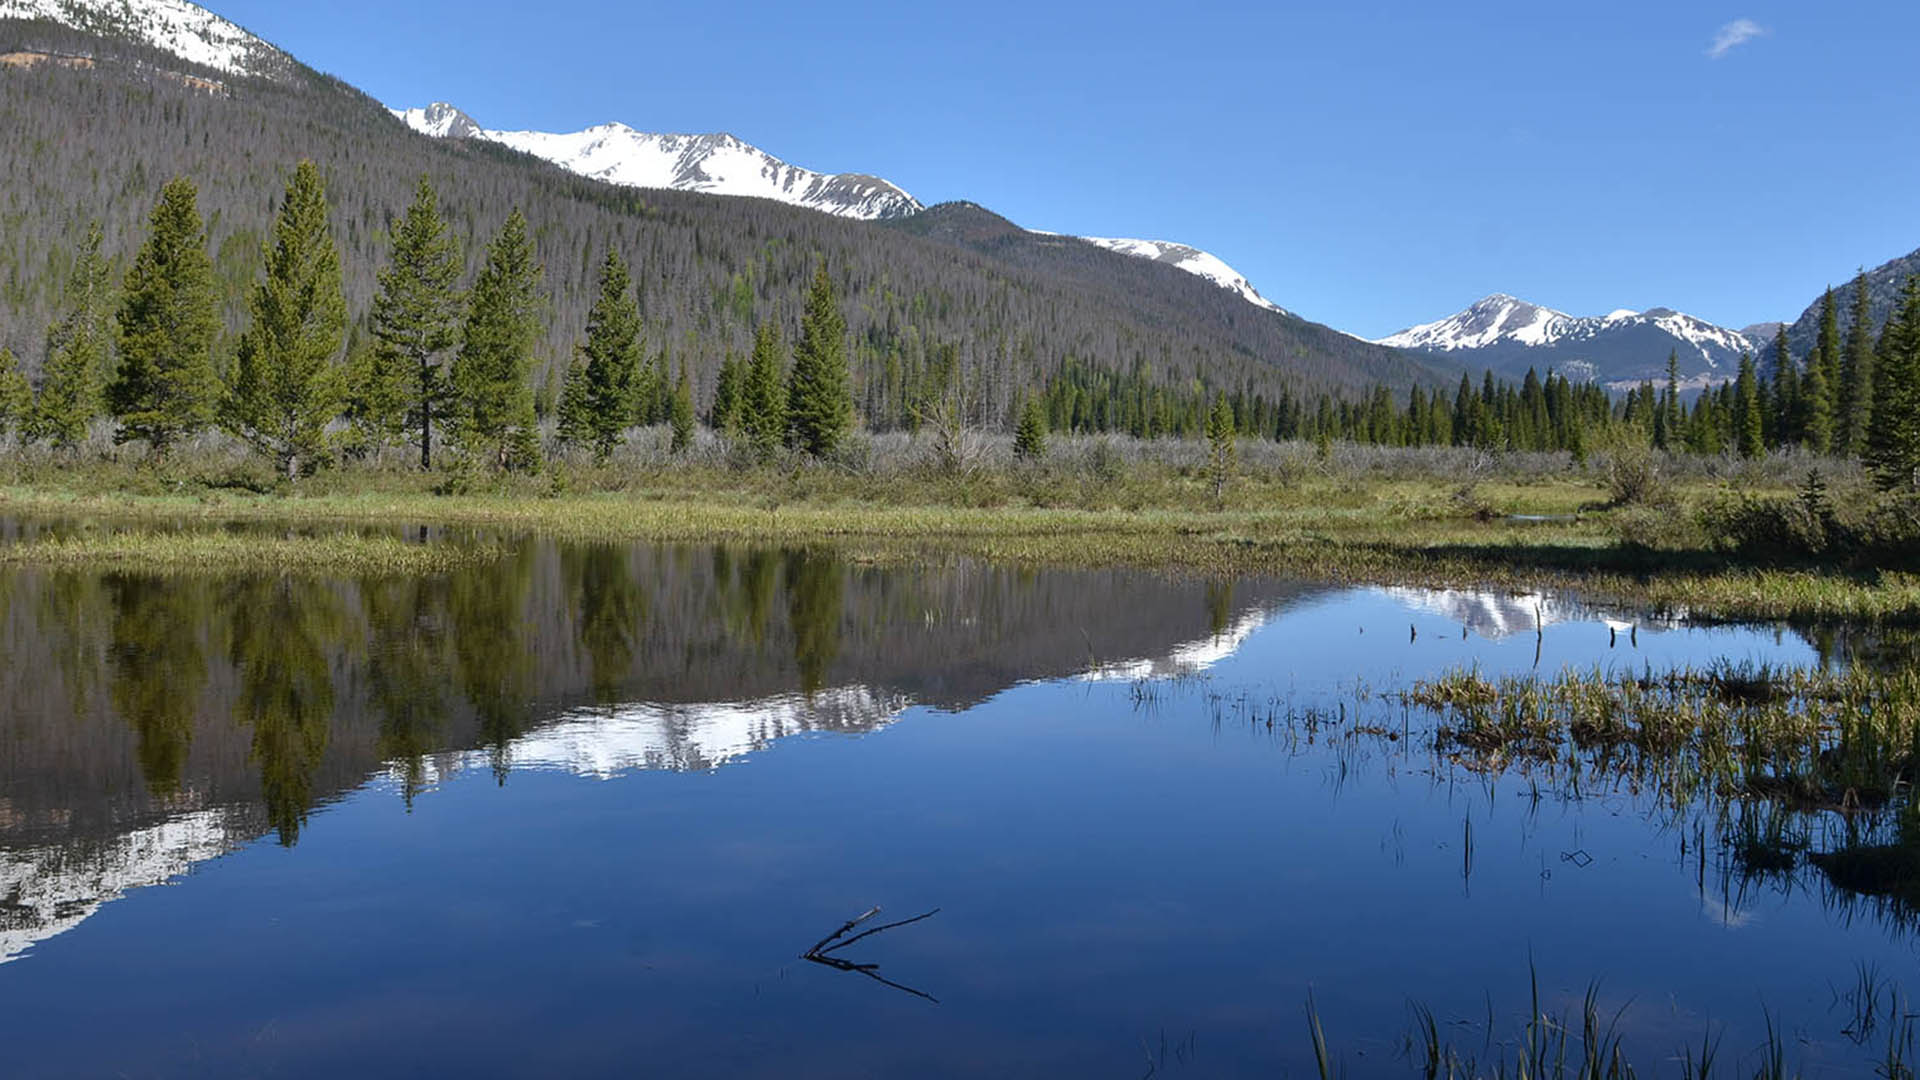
96 142
458 291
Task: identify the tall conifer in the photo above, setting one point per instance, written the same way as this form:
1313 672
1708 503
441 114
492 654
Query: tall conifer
1790 423
492 392
416 323
763 400
1746 415
597 402
78 359
1854 416
164 388
819 400
1893 450
287 378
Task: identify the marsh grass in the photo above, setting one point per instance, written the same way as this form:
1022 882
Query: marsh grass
345 554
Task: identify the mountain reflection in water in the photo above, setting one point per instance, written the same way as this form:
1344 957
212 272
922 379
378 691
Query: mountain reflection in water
154 723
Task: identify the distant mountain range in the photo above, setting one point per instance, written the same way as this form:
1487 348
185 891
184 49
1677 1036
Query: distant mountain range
1501 332
1623 348
723 164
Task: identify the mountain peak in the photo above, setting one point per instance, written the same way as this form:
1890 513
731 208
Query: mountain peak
1510 335
185 30
717 163
440 120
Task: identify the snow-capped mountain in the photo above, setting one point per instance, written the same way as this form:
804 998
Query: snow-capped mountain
1193 261
440 120
722 164
717 164
1511 335
186 30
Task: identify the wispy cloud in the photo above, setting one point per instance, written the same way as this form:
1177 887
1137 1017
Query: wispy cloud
1733 35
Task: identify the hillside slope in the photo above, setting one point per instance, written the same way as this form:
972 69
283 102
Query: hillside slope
99 140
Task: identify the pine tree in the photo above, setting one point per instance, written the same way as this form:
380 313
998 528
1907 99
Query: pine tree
164 389
1221 451
1789 419
493 398
763 401
1030 437
1855 412
1667 430
1817 409
1746 416
725 416
1893 451
16 396
819 402
75 373
1826 354
415 323
287 379
682 415
575 426
601 381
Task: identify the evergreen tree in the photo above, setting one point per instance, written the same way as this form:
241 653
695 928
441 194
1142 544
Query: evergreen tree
493 397
1746 416
763 402
601 381
1816 406
1221 451
16 396
1826 354
1893 451
415 323
725 416
819 402
77 366
1030 437
1854 416
682 415
164 389
1668 428
1790 410
287 380
575 414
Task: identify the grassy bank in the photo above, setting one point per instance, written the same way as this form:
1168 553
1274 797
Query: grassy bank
149 550
1424 517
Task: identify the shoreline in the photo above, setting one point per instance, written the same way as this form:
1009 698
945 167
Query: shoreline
1379 537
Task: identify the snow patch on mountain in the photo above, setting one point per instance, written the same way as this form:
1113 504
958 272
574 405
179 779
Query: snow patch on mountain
186 30
440 120
1193 261
716 164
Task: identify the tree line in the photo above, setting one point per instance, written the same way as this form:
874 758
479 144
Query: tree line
437 361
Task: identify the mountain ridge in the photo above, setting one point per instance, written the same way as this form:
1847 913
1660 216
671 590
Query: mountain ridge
1623 347
720 163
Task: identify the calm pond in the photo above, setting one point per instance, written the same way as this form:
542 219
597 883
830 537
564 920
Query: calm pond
581 812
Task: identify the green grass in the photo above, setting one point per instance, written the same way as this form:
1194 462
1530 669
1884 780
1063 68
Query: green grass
1344 526
174 552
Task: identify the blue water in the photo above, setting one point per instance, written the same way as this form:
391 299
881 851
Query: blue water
1134 873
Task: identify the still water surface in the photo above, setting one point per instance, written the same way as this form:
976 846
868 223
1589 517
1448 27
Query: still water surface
582 811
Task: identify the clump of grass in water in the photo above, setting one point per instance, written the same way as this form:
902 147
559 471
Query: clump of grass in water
1810 738
1587 1045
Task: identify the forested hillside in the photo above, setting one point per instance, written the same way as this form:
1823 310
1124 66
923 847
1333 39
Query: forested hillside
96 127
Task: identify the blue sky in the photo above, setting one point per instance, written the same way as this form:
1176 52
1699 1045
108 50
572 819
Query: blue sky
1367 164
